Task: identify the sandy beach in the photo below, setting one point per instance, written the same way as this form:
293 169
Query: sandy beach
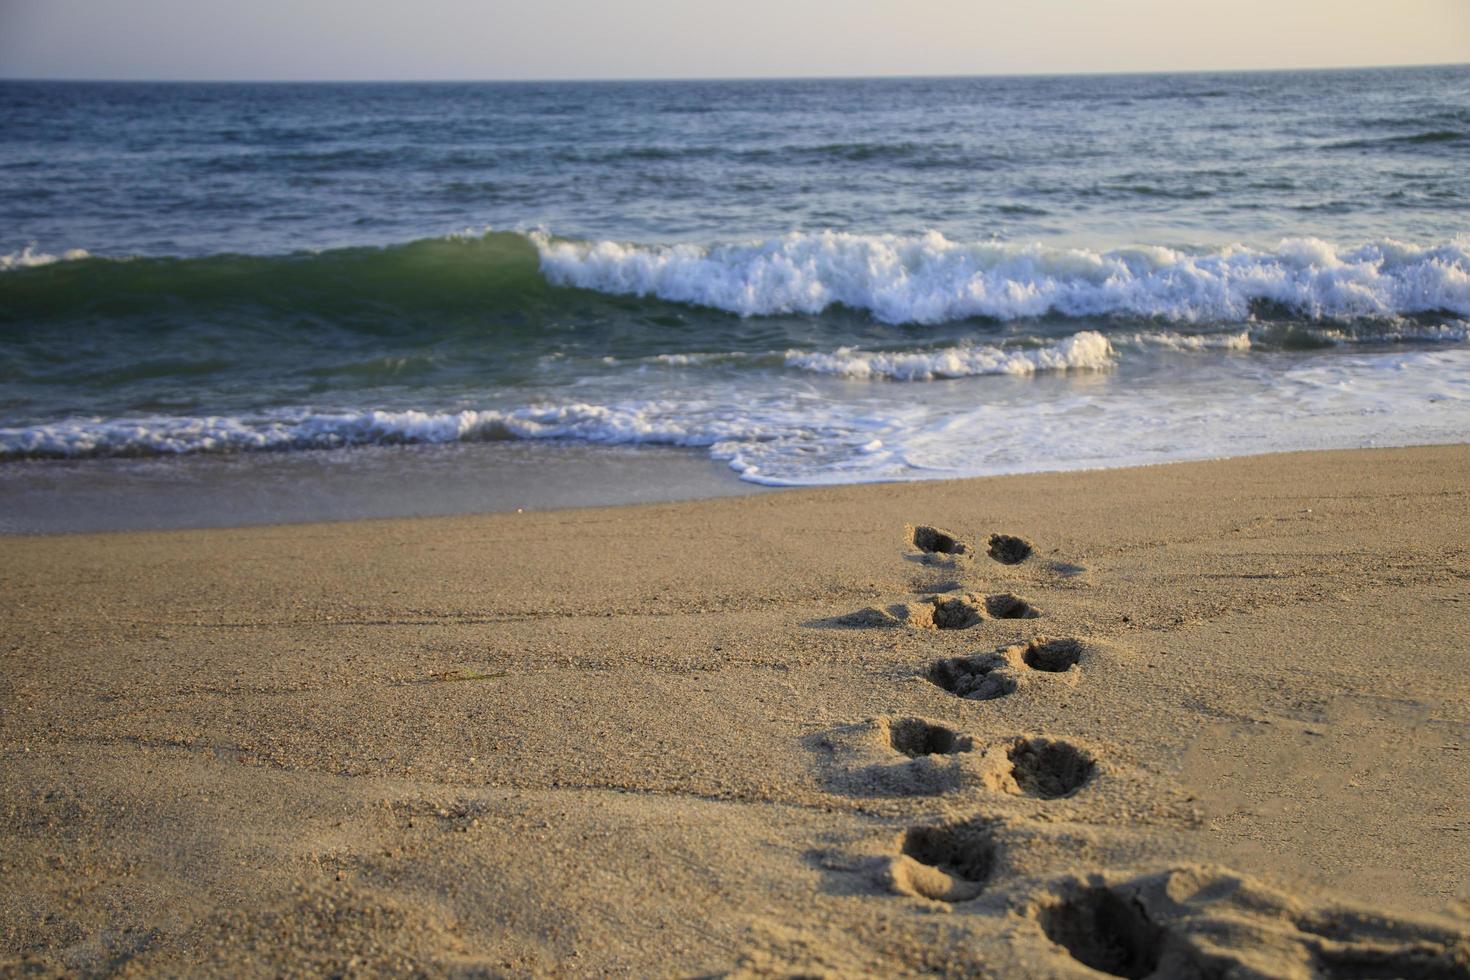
1205 719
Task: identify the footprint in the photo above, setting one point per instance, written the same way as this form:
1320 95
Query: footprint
947 863
916 737
982 677
1046 768
1101 929
1054 656
985 676
941 612
897 758
962 612
933 541
1009 606
956 613
1200 921
1348 946
1009 549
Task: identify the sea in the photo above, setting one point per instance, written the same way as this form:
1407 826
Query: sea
237 303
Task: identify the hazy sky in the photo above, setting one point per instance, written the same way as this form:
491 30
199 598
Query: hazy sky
470 39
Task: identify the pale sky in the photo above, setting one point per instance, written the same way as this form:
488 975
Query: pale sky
497 39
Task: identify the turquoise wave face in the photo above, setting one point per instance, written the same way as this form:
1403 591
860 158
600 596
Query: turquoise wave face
444 277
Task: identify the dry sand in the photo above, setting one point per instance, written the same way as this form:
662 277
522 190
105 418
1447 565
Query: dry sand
731 736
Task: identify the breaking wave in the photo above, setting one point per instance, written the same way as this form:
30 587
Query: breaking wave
922 279
929 279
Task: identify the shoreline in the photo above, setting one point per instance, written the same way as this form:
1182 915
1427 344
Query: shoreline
712 736
378 483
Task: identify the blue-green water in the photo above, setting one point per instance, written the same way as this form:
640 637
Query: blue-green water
818 281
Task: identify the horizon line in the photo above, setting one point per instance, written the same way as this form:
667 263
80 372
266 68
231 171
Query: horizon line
722 78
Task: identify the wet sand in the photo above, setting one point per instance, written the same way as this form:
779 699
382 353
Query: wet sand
761 735
362 483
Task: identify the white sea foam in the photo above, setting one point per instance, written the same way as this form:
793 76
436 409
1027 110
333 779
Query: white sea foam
152 436
29 258
1169 340
640 422
699 358
1085 351
801 435
930 279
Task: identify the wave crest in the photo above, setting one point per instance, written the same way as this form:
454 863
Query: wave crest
929 279
29 258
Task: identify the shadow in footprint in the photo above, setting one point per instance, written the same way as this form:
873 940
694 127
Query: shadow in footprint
983 677
1009 549
956 613
1105 931
1009 606
947 863
1049 769
1053 656
1365 947
916 737
1365 962
1210 923
933 541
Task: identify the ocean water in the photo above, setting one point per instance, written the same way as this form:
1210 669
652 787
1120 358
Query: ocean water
810 282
